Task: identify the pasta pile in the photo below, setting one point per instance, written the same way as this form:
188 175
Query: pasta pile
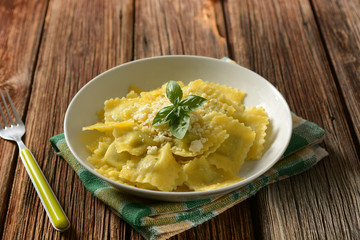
221 136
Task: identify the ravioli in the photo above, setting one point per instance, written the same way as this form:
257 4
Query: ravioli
230 155
160 170
211 91
235 95
222 135
109 126
257 119
209 137
132 141
201 175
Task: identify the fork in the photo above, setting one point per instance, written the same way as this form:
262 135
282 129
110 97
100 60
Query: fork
14 131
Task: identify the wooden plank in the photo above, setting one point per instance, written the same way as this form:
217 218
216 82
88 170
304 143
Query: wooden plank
19 39
194 28
280 40
179 27
339 23
81 39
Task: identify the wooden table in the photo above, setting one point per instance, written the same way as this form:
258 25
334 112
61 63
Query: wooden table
309 49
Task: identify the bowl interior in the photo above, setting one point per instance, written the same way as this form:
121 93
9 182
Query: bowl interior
151 73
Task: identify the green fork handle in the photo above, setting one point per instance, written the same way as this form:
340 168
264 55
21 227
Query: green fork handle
55 212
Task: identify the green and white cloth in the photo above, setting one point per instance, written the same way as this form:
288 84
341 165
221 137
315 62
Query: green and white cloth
161 220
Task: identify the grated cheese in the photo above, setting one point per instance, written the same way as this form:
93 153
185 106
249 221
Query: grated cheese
196 146
152 150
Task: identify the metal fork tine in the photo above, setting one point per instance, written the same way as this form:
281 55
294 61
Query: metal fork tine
3 117
16 114
2 112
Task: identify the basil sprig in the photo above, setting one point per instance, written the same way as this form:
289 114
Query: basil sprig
177 114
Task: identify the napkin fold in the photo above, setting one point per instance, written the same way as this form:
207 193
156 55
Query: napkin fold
161 220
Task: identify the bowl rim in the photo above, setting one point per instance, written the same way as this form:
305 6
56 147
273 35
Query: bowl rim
180 195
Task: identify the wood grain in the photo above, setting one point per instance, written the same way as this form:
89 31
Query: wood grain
281 41
308 49
19 39
81 39
179 27
339 23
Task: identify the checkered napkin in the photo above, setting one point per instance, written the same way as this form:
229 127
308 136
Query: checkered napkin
161 220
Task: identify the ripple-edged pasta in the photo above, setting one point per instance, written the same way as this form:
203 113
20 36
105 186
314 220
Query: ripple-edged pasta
223 133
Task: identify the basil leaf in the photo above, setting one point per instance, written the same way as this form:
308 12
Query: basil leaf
172 114
192 103
177 114
163 115
179 126
174 92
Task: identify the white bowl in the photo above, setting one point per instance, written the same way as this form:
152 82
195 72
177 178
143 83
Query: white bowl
151 73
